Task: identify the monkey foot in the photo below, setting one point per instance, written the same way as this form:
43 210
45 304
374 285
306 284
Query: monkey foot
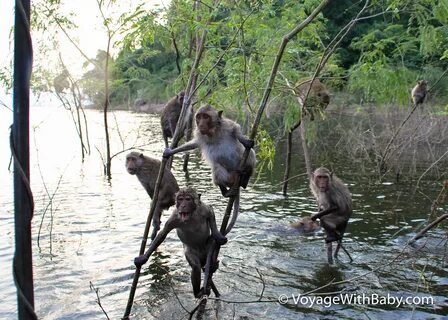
221 240
167 153
232 192
201 293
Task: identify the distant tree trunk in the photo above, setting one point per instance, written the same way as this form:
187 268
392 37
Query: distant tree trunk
108 164
288 158
287 163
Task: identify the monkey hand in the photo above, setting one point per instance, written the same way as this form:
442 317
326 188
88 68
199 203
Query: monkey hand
248 143
167 153
220 239
140 260
314 217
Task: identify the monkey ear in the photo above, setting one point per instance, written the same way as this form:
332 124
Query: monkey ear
220 114
141 155
199 196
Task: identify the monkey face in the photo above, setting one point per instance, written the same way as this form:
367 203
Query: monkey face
324 98
185 205
322 181
204 124
180 98
131 165
133 162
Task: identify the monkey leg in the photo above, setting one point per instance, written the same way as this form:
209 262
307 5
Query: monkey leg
329 252
223 189
232 192
166 141
195 264
156 222
340 246
214 289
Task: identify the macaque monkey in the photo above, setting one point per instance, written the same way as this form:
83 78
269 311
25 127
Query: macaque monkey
318 97
170 116
419 92
335 208
222 145
305 225
195 225
147 169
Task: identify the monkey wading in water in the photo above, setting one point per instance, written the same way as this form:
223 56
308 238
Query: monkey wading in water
335 208
222 145
147 169
195 225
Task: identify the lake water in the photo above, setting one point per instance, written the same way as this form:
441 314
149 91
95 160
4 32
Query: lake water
89 231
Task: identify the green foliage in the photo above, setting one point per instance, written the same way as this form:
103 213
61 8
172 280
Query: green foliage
399 42
382 83
265 151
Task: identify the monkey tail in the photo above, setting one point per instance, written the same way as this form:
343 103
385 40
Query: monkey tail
236 209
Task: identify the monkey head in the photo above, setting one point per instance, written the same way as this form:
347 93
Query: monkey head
323 97
134 161
322 178
187 200
208 119
305 225
180 98
423 83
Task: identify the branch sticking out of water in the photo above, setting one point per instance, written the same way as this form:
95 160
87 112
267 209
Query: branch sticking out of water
98 300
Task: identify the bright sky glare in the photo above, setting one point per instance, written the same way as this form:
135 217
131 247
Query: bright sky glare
90 34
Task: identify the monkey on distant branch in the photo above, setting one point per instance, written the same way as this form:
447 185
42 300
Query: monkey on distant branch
147 169
318 97
196 227
419 92
222 145
335 208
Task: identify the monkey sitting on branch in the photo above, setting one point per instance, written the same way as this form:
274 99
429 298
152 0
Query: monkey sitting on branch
318 97
147 169
195 225
222 145
335 208
419 92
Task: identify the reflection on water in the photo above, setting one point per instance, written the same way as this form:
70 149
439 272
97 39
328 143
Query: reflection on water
91 230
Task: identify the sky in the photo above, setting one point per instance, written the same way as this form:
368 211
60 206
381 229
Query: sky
90 34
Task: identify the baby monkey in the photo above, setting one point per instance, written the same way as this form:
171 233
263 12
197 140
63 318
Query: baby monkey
195 225
222 145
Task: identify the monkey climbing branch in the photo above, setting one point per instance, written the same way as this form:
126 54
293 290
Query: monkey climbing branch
260 112
175 141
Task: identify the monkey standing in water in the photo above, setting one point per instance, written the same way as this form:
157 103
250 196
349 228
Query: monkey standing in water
195 225
147 169
335 208
170 116
419 92
222 145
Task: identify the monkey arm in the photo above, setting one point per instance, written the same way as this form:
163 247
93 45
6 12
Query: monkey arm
185 147
324 213
169 225
219 238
